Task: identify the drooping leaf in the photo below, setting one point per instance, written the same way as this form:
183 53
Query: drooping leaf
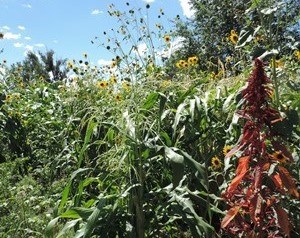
240 173
255 208
243 165
67 227
179 113
49 231
232 212
278 182
88 135
177 163
283 220
288 181
150 100
88 228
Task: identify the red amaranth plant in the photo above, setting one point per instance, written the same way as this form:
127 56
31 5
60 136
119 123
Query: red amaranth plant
254 194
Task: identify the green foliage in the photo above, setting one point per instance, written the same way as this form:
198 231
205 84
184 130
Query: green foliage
219 29
122 151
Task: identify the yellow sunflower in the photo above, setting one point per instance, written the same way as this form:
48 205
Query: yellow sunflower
193 60
226 149
280 157
216 163
102 84
233 37
297 54
167 38
113 79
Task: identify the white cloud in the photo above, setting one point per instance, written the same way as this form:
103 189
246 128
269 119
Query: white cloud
18 45
186 7
141 49
55 41
11 36
27 38
22 28
7 28
175 45
148 1
96 12
29 48
40 45
104 62
27 5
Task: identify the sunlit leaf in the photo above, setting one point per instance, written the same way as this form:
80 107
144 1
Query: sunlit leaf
230 215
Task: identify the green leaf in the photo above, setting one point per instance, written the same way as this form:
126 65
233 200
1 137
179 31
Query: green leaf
87 230
227 103
77 212
88 135
178 115
150 100
177 163
66 190
49 231
162 103
167 139
68 226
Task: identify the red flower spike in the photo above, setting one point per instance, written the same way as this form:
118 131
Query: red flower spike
252 195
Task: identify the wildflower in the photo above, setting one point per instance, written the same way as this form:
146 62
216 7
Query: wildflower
278 64
4 61
280 157
126 86
41 78
113 79
158 26
102 84
118 97
147 6
233 37
70 65
193 60
113 64
84 55
226 149
297 54
165 83
216 163
167 38
259 38
1 35
8 98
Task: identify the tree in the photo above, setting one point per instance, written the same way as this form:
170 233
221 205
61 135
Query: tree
41 65
216 28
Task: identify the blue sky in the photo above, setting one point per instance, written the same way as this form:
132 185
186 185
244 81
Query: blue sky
68 26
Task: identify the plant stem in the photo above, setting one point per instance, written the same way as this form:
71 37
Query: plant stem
275 80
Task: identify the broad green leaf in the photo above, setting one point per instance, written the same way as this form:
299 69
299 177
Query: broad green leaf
66 190
227 103
150 101
177 163
88 135
87 230
167 140
178 115
68 226
192 108
77 212
49 231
